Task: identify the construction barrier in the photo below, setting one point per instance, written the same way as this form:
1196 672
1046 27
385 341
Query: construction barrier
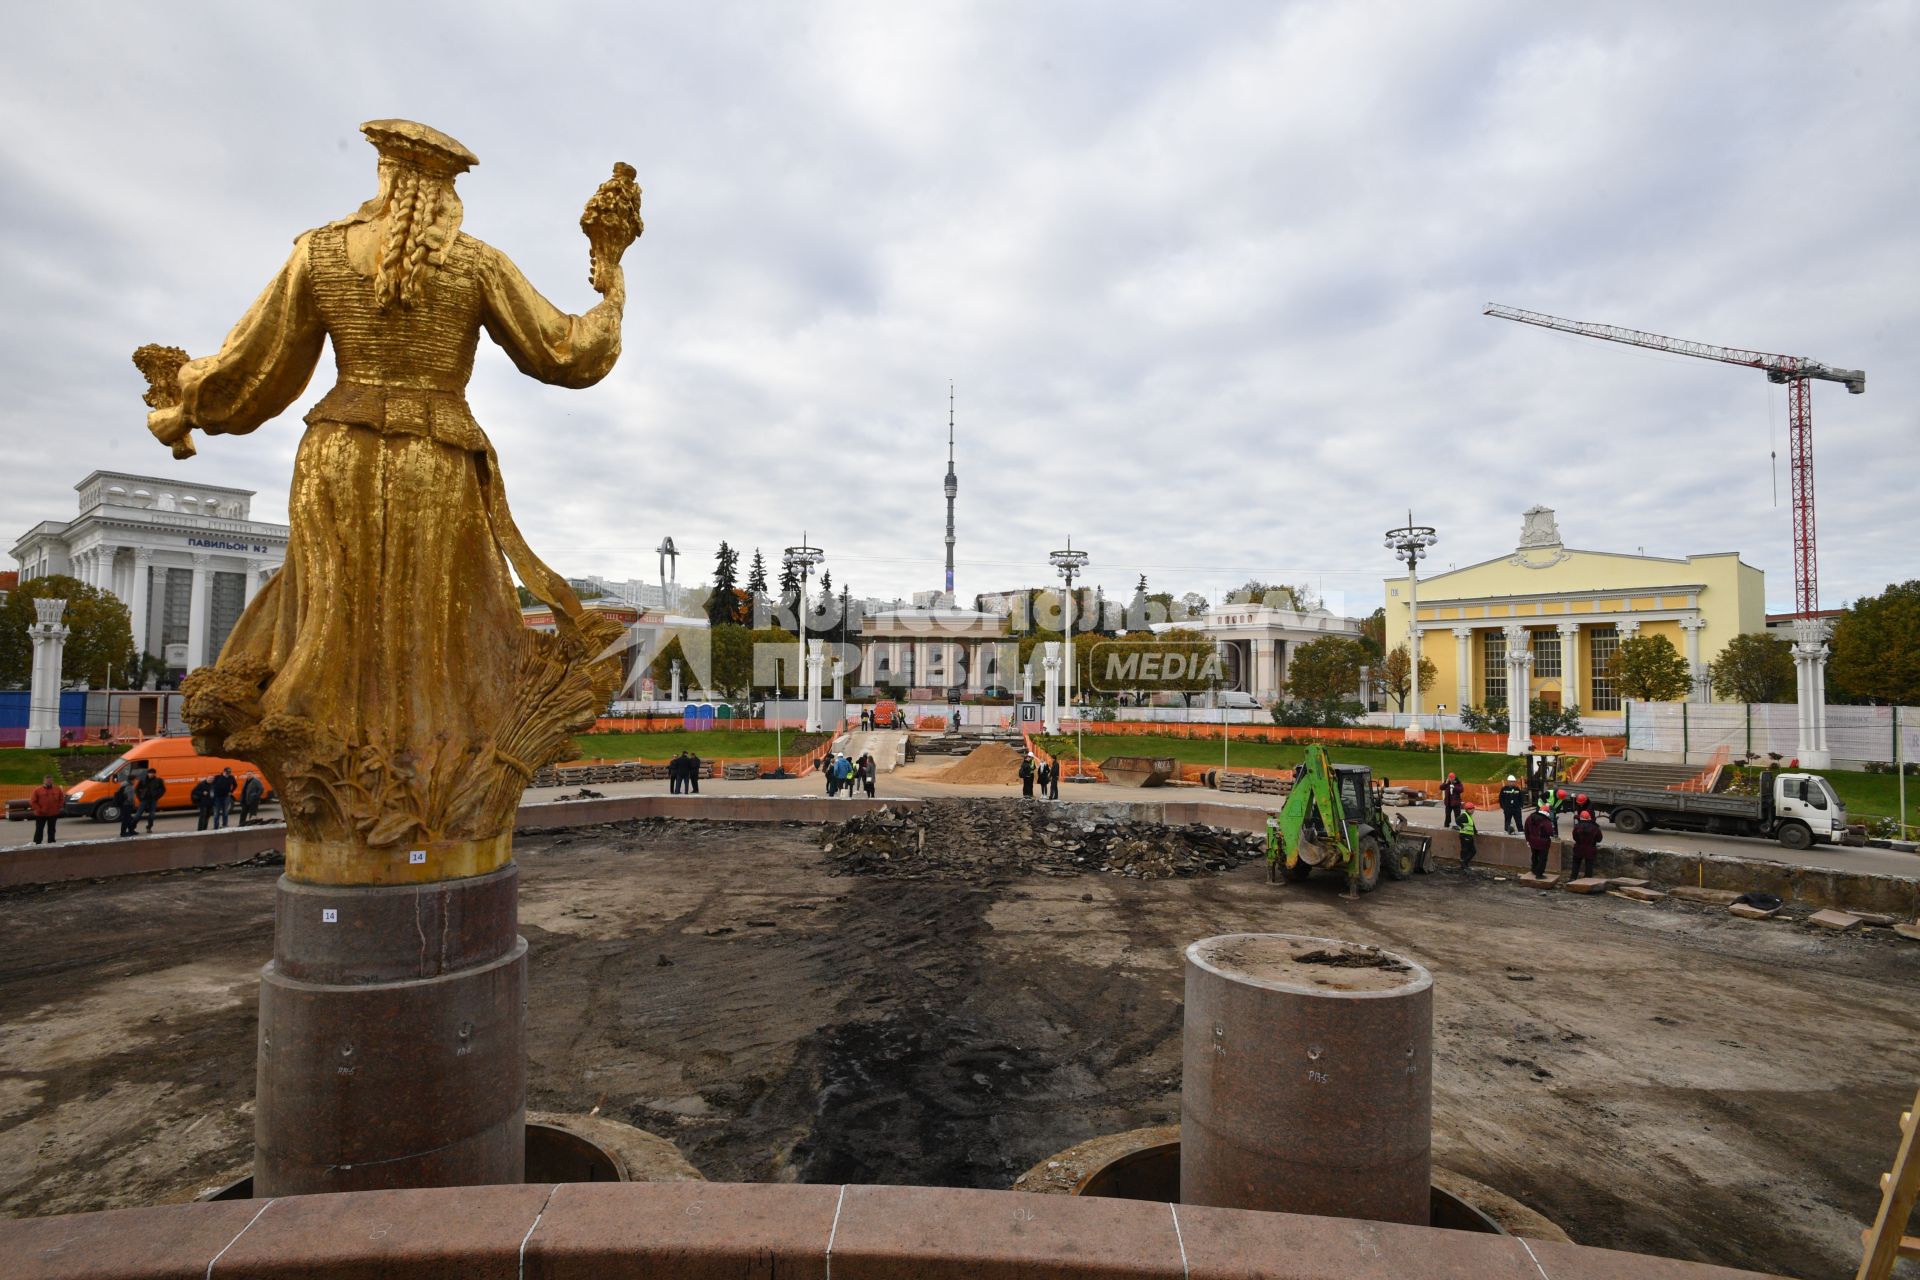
1393 739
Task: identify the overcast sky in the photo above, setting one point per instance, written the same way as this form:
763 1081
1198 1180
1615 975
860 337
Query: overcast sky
1207 278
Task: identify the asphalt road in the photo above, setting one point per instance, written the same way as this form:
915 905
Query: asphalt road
907 783
1828 857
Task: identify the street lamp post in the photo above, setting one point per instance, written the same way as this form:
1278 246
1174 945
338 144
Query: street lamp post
1440 727
801 560
1410 544
1070 563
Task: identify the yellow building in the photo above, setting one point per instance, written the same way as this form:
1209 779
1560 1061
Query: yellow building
1550 617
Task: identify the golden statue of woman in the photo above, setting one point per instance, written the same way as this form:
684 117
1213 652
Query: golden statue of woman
383 680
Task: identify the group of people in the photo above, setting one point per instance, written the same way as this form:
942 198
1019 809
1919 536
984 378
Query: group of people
898 720
1046 773
845 775
683 774
138 799
1539 828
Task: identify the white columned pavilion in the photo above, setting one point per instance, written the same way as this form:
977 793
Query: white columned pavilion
184 558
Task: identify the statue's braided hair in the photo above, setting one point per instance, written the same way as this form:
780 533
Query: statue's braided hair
423 216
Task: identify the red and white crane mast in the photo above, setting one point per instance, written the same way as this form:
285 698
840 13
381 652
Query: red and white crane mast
1796 372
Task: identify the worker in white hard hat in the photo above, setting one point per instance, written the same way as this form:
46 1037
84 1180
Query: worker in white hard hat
1513 803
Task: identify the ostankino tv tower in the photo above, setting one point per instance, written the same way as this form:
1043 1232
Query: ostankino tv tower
953 487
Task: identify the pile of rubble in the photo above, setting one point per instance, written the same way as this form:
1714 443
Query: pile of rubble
990 839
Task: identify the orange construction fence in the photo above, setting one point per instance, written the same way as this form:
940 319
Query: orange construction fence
1357 736
1708 777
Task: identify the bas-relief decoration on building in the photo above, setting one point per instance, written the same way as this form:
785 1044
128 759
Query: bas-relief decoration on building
1539 532
383 680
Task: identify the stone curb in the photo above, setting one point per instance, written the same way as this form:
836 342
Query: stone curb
656 1231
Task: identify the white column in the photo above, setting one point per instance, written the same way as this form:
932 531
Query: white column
674 695
137 598
1050 710
1519 692
1414 732
1462 666
816 664
157 615
1026 679
1628 627
43 698
1260 677
254 579
1570 694
1701 690
839 679
197 618
1810 668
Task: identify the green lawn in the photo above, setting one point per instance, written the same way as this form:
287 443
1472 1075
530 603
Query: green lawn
708 744
22 768
1386 762
1873 795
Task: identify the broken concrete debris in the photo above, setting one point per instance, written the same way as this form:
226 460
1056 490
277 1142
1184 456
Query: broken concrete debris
987 839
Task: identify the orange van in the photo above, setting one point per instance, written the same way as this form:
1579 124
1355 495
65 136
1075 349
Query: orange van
177 762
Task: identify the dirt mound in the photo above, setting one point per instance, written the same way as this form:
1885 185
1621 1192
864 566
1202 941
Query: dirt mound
988 762
989 839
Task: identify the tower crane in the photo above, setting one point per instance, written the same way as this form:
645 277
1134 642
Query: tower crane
1795 371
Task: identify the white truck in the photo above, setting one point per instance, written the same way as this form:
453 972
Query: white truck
1797 809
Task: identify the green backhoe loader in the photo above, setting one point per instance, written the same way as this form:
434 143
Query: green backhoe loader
1334 818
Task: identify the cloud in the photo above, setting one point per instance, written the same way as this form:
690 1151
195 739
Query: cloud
1208 280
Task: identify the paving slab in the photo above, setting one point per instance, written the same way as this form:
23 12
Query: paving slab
1692 893
1837 920
1636 893
1749 912
1587 884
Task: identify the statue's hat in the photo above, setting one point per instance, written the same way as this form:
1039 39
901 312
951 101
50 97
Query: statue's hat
419 145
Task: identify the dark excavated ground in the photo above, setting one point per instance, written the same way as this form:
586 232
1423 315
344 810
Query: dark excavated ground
1660 1078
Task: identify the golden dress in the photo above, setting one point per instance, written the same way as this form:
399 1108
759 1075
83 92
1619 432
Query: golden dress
383 679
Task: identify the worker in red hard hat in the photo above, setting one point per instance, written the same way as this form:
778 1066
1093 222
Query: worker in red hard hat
1540 833
1586 843
1452 792
1467 832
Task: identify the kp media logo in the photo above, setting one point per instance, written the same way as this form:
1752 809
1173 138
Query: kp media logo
1164 666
